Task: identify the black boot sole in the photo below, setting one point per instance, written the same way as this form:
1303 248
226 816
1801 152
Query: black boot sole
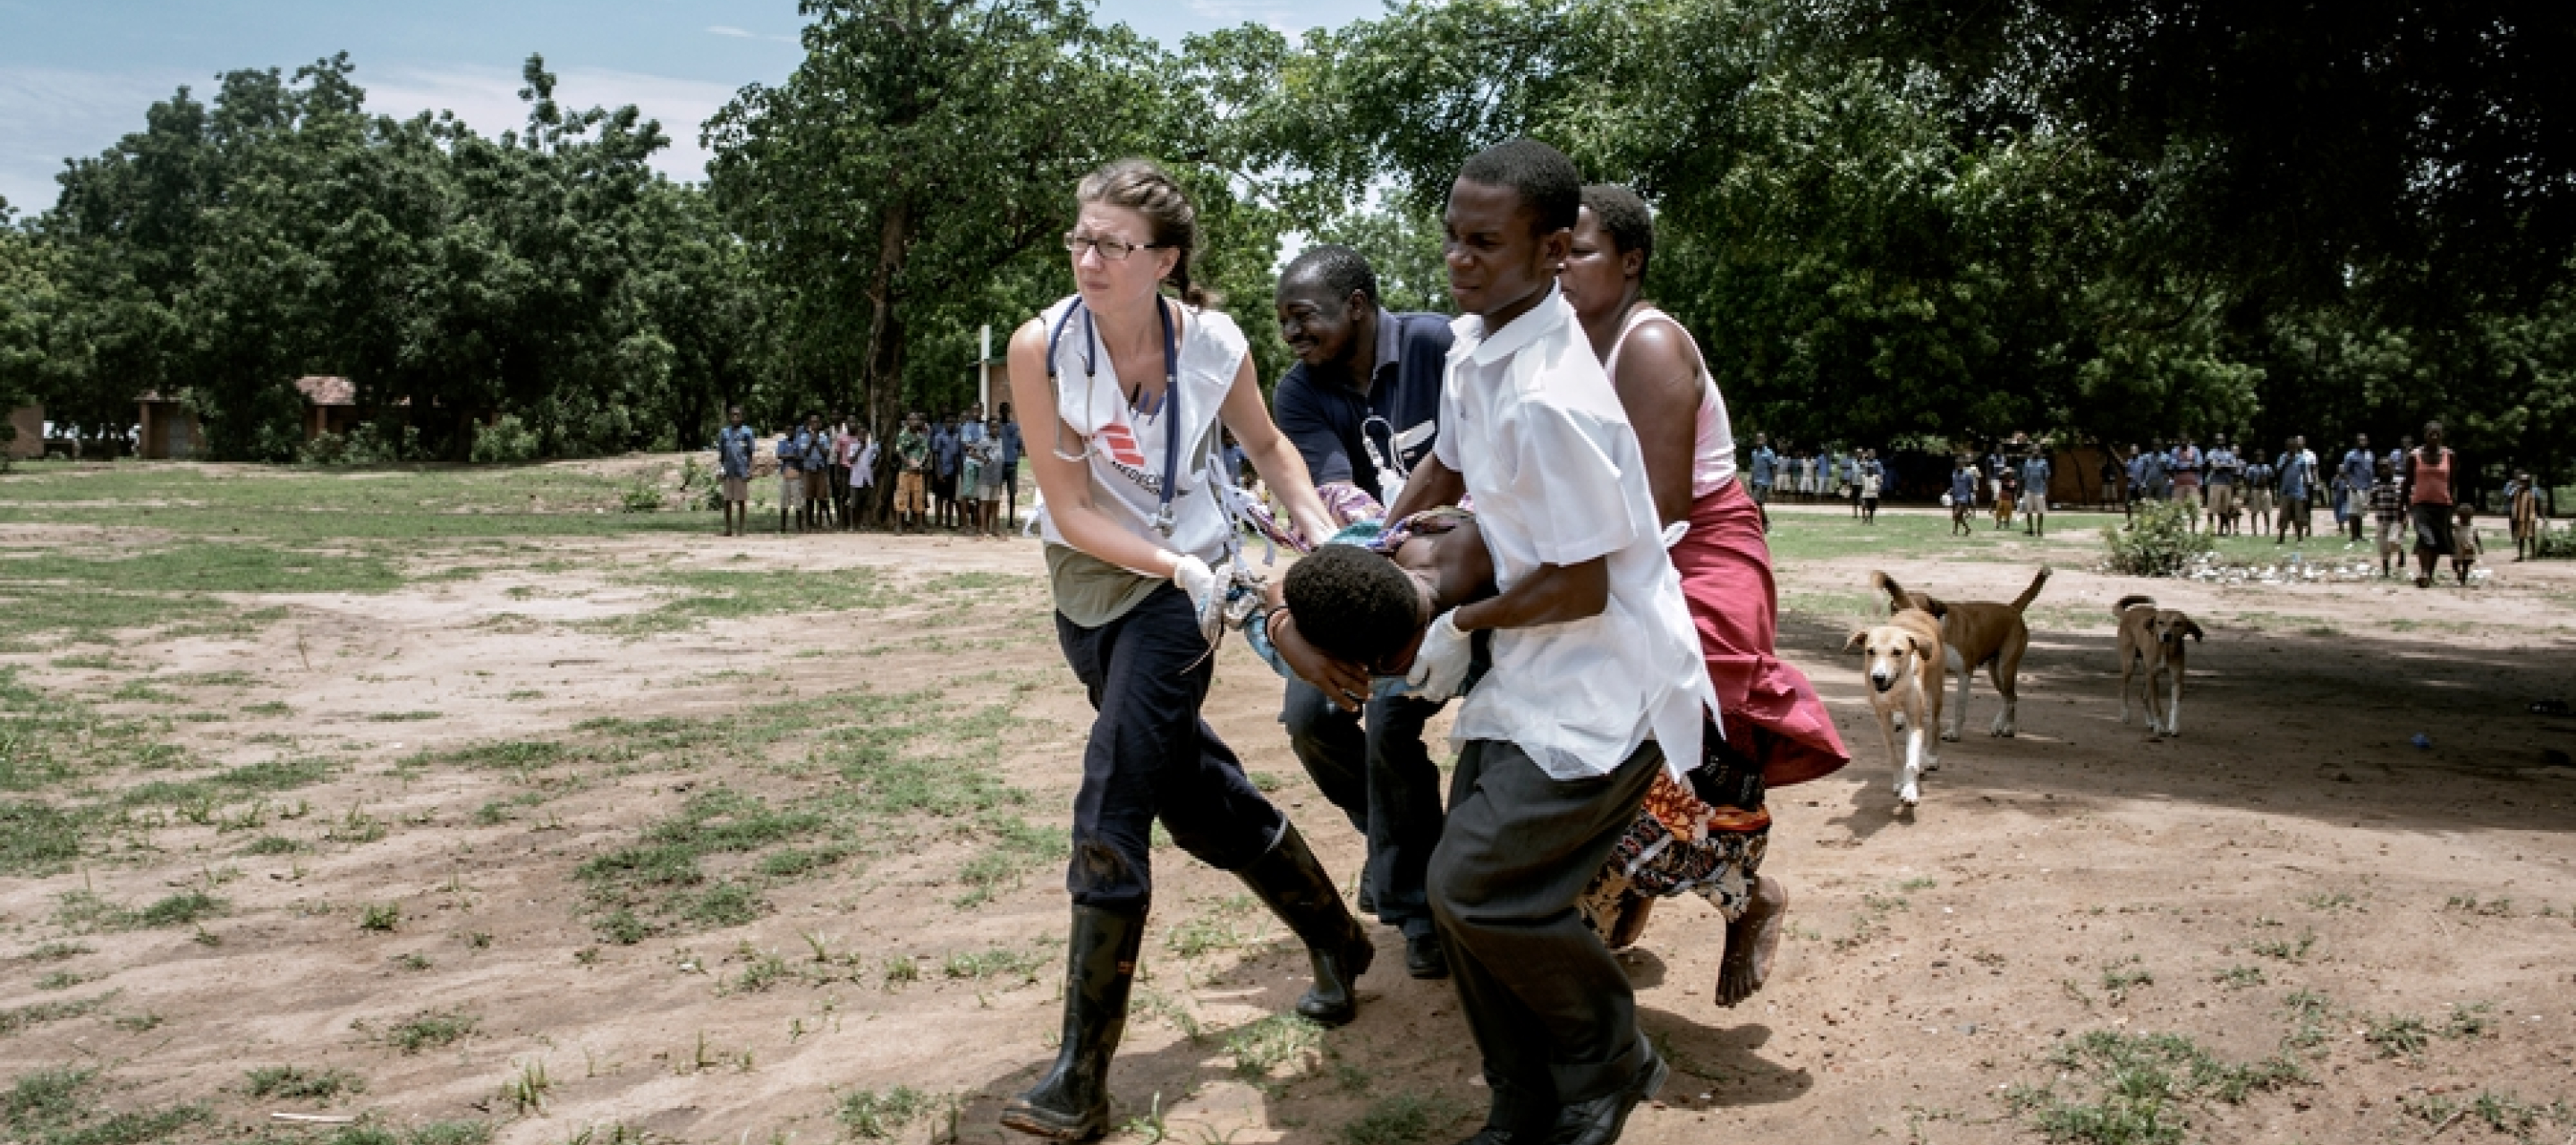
1038 1122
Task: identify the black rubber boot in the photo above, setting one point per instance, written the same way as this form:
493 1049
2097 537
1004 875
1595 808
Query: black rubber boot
1071 1103
1296 888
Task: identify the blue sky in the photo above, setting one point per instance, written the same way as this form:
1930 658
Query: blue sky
76 74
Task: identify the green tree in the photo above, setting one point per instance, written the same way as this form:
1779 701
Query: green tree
909 181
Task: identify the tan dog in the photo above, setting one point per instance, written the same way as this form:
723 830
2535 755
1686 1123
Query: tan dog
1978 634
2151 641
1901 660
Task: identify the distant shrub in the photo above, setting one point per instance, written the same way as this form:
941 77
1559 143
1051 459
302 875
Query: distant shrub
2161 542
508 441
368 444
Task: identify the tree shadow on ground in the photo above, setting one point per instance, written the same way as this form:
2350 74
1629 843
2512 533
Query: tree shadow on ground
1410 1045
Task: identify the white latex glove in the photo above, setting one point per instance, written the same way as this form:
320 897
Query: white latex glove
1206 592
1440 665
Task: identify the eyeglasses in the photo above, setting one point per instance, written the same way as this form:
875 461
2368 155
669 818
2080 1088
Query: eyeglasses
1113 250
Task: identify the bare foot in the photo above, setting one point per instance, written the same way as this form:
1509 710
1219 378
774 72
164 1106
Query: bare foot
1751 941
1631 924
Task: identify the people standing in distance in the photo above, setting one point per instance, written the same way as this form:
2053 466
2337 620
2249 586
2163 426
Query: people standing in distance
2035 472
2354 476
863 474
735 444
1130 386
912 476
1764 469
2260 481
2183 470
792 443
2225 470
1963 495
1362 405
2430 472
2297 472
988 490
1011 454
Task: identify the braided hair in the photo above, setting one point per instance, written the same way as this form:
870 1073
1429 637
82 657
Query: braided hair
1140 185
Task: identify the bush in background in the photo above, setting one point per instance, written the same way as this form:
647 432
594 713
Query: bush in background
507 441
2161 542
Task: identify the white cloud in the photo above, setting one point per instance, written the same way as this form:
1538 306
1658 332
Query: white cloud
488 100
736 33
49 114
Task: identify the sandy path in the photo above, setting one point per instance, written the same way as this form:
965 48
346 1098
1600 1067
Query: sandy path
2293 810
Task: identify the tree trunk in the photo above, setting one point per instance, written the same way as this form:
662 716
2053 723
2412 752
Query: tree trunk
882 384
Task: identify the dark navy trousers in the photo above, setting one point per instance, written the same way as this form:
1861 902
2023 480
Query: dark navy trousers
1151 757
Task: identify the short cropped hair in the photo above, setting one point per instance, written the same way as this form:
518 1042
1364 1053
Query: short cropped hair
1352 604
1336 268
1541 175
1626 218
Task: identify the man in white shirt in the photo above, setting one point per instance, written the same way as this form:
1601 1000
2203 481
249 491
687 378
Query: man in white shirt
1596 679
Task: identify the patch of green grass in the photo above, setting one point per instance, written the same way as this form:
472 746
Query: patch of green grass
267 708
2137 1089
85 911
694 596
381 918
997 962
2396 1035
2492 908
2309 1013
297 1083
1015 848
36 839
2323 901
1277 1040
62 1107
1403 1119
38 1013
62 979
2241 977
877 1116
431 1030
403 717
274 845
2288 951
662 872
2468 1020
57 952
2123 976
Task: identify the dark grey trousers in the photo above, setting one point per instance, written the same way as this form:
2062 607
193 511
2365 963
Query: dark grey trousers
1552 1011
1381 776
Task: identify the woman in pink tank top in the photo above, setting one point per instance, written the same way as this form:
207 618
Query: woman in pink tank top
1707 837
2428 501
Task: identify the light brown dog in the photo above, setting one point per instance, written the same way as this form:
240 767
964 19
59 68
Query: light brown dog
2151 641
1901 660
1978 634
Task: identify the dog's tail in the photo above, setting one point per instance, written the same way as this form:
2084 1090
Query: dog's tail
1896 593
2032 593
2126 603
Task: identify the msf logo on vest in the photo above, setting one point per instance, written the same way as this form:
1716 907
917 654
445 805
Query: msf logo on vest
1119 444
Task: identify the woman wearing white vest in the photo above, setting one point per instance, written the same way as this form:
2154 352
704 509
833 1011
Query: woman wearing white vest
1129 387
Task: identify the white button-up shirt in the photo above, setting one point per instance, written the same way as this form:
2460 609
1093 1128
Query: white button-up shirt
1528 418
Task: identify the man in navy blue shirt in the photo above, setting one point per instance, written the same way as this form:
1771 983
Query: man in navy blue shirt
1362 405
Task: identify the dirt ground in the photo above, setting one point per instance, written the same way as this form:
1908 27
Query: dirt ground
2296 876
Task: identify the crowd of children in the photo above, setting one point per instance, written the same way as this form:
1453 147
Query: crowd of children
959 474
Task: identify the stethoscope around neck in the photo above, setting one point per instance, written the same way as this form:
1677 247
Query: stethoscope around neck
1167 408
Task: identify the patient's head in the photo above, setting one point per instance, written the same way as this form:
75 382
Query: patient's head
1356 606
